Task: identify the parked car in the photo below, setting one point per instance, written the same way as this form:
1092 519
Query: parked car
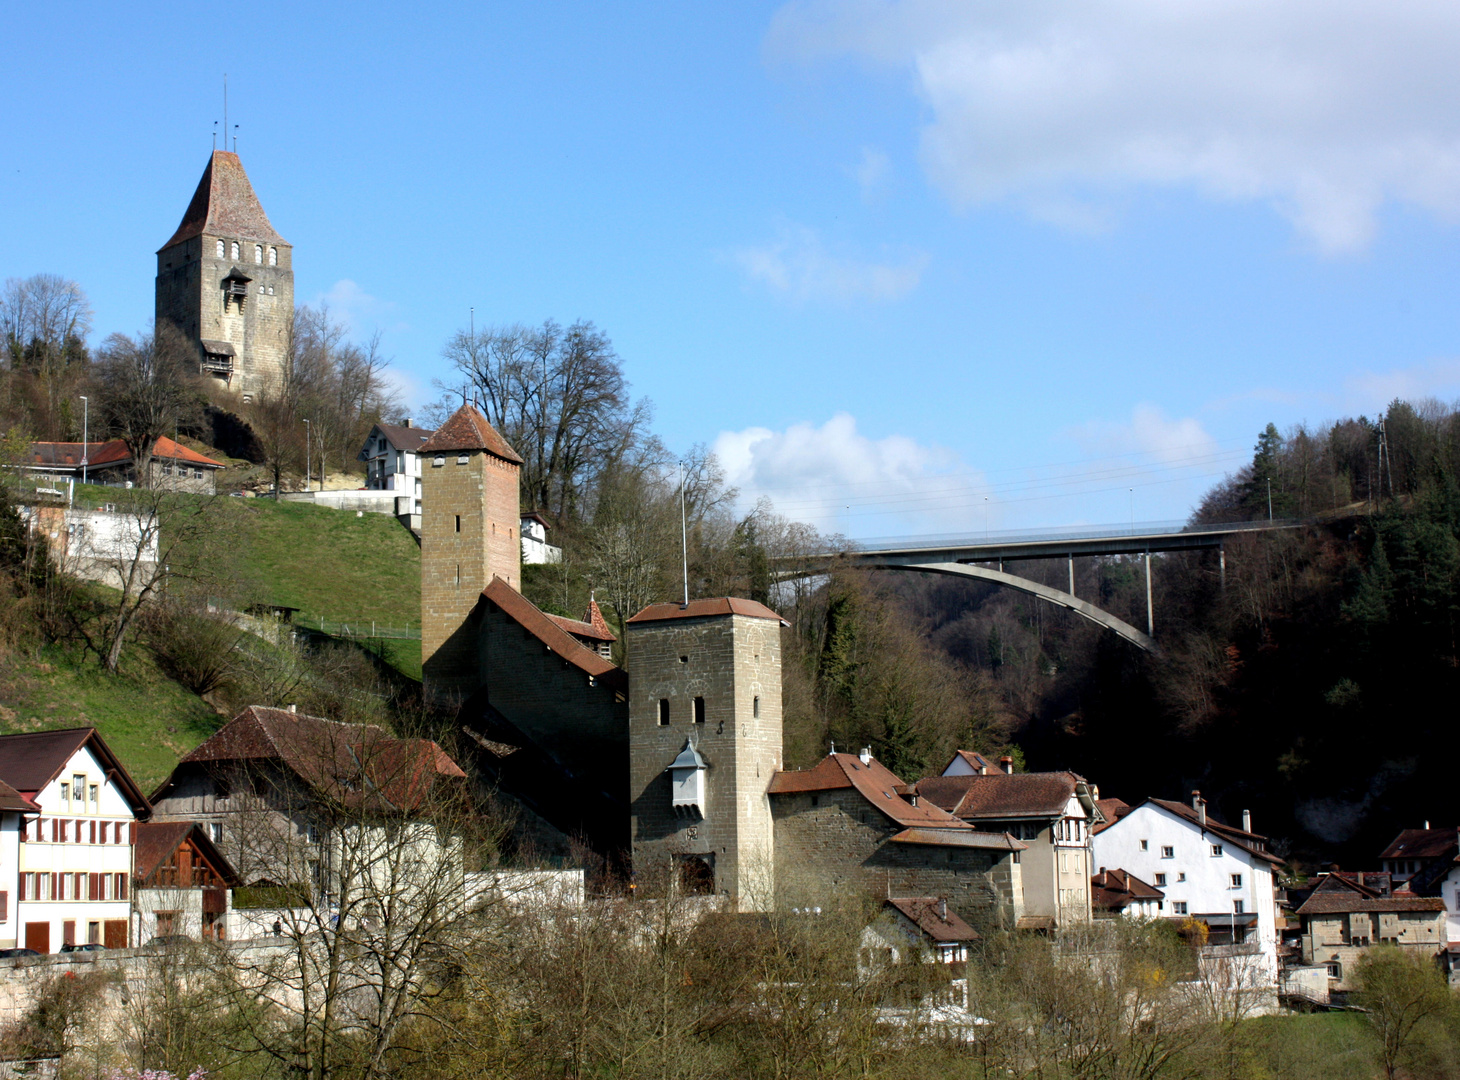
89 946
171 939
11 954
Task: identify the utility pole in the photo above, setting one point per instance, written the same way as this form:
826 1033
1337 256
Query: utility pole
85 435
683 534
1269 498
306 455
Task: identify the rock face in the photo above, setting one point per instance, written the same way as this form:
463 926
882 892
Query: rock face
225 282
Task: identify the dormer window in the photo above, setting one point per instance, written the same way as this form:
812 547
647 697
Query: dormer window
687 780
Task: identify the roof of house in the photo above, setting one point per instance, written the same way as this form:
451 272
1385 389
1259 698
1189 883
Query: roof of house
340 760
1250 842
157 840
974 760
543 627
1112 810
1421 844
113 452
30 761
14 801
224 205
592 625
404 438
468 429
962 838
1334 903
873 781
1001 795
699 609
924 912
1112 890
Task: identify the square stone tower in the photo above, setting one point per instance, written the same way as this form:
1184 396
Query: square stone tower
225 282
470 526
704 743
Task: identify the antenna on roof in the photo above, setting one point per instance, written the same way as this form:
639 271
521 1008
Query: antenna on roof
215 134
225 110
235 138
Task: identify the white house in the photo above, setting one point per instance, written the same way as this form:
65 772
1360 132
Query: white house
73 867
14 808
1206 870
393 463
536 551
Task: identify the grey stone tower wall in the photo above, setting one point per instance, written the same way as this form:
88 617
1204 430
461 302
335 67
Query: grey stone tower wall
730 661
190 296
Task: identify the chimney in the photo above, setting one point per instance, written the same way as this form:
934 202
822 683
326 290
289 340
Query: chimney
943 909
1200 806
1007 764
293 708
866 755
1094 792
1427 826
1246 820
406 422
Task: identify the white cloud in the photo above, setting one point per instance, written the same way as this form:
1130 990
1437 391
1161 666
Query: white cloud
797 265
1150 435
1374 391
356 308
873 173
839 480
1326 109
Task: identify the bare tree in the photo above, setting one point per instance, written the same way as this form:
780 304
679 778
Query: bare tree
149 388
44 320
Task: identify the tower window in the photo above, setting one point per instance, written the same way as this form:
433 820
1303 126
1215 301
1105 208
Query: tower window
755 707
699 710
458 575
458 523
664 712
273 256
258 254
220 249
234 249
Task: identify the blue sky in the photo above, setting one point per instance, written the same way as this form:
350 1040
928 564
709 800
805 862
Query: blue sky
910 267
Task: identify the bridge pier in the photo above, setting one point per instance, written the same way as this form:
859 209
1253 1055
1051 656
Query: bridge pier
1150 611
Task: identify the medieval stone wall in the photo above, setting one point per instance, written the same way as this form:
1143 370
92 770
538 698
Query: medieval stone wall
469 524
733 664
830 841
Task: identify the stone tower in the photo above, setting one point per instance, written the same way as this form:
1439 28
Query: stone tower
704 742
470 526
225 281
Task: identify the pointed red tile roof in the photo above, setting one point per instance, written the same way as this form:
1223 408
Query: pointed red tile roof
545 628
592 626
225 205
696 609
468 429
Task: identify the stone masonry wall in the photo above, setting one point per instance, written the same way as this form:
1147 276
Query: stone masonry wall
469 524
833 840
190 296
734 664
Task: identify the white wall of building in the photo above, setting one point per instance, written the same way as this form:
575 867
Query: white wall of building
9 876
85 835
1193 875
1450 894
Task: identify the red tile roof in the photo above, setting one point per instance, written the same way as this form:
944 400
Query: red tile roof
1250 842
113 452
873 781
530 617
12 800
1421 844
596 630
1335 903
224 204
699 609
962 838
1001 795
1112 810
335 758
468 429
405 438
940 925
30 761
1112 890
974 760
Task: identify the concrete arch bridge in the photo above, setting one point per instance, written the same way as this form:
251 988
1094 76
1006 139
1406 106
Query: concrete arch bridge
984 559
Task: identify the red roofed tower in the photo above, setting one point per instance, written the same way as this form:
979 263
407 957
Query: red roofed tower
225 281
470 517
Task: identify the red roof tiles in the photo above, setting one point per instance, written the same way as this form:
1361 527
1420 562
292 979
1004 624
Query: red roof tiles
113 452
873 781
530 617
157 840
1001 795
30 761
468 429
933 918
1112 890
699 609
224 204
1421 844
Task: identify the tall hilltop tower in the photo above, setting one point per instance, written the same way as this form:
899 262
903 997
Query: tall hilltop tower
225 281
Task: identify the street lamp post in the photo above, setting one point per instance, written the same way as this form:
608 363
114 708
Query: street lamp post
85 434
306 455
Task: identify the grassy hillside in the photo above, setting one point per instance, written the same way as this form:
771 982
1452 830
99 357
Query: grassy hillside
146 718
